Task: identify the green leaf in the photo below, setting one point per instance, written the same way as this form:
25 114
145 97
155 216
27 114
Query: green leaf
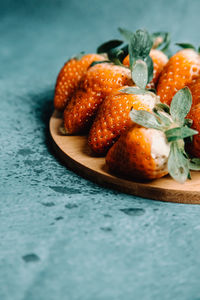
140 74
188 122
116 50
107 46
143 43
178 164
163 107
131 49
166 40
149 63
134 91
99 62
145 119
178 133
127 34
194 164
118 54
166 121
152 90
140 45
124 52
180 105
186 46
199 50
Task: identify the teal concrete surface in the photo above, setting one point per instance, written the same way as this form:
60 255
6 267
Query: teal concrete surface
61 236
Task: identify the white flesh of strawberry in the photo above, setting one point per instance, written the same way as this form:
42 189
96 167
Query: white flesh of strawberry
149 99
160 148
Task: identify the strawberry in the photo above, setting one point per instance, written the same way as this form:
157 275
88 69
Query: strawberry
135 154
181 69
194 87
193 147
159 61
100 80
155 146
113 118
69 78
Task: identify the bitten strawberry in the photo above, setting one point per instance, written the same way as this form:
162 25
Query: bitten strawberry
70 76
193 147
100 81
155 146
194 87
181 69
159 61
113 117
140 153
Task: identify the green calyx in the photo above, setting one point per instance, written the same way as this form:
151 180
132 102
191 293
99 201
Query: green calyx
134 91
139 47
188 46
140 43
172 121
116 50
97 62
140 73
109 45
161 41
194 164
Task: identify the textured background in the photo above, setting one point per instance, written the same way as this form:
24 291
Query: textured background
61 236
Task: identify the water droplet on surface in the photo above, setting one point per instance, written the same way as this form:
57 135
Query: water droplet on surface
106 228
30 258
48 204
133 211
59 218
71 205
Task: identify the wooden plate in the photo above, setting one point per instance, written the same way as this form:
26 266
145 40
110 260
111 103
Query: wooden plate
75 153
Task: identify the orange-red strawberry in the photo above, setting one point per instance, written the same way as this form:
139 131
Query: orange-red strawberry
137 154
159 61
100 81
181 69
70 76
113 117
194 87
194 146
157 148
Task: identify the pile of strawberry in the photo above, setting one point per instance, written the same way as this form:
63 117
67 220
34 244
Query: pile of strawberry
139 108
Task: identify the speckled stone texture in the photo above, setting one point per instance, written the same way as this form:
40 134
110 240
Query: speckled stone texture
61 236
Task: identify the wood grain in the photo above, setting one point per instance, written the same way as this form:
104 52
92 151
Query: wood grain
75 153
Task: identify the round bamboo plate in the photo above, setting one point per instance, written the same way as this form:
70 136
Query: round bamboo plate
75 153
